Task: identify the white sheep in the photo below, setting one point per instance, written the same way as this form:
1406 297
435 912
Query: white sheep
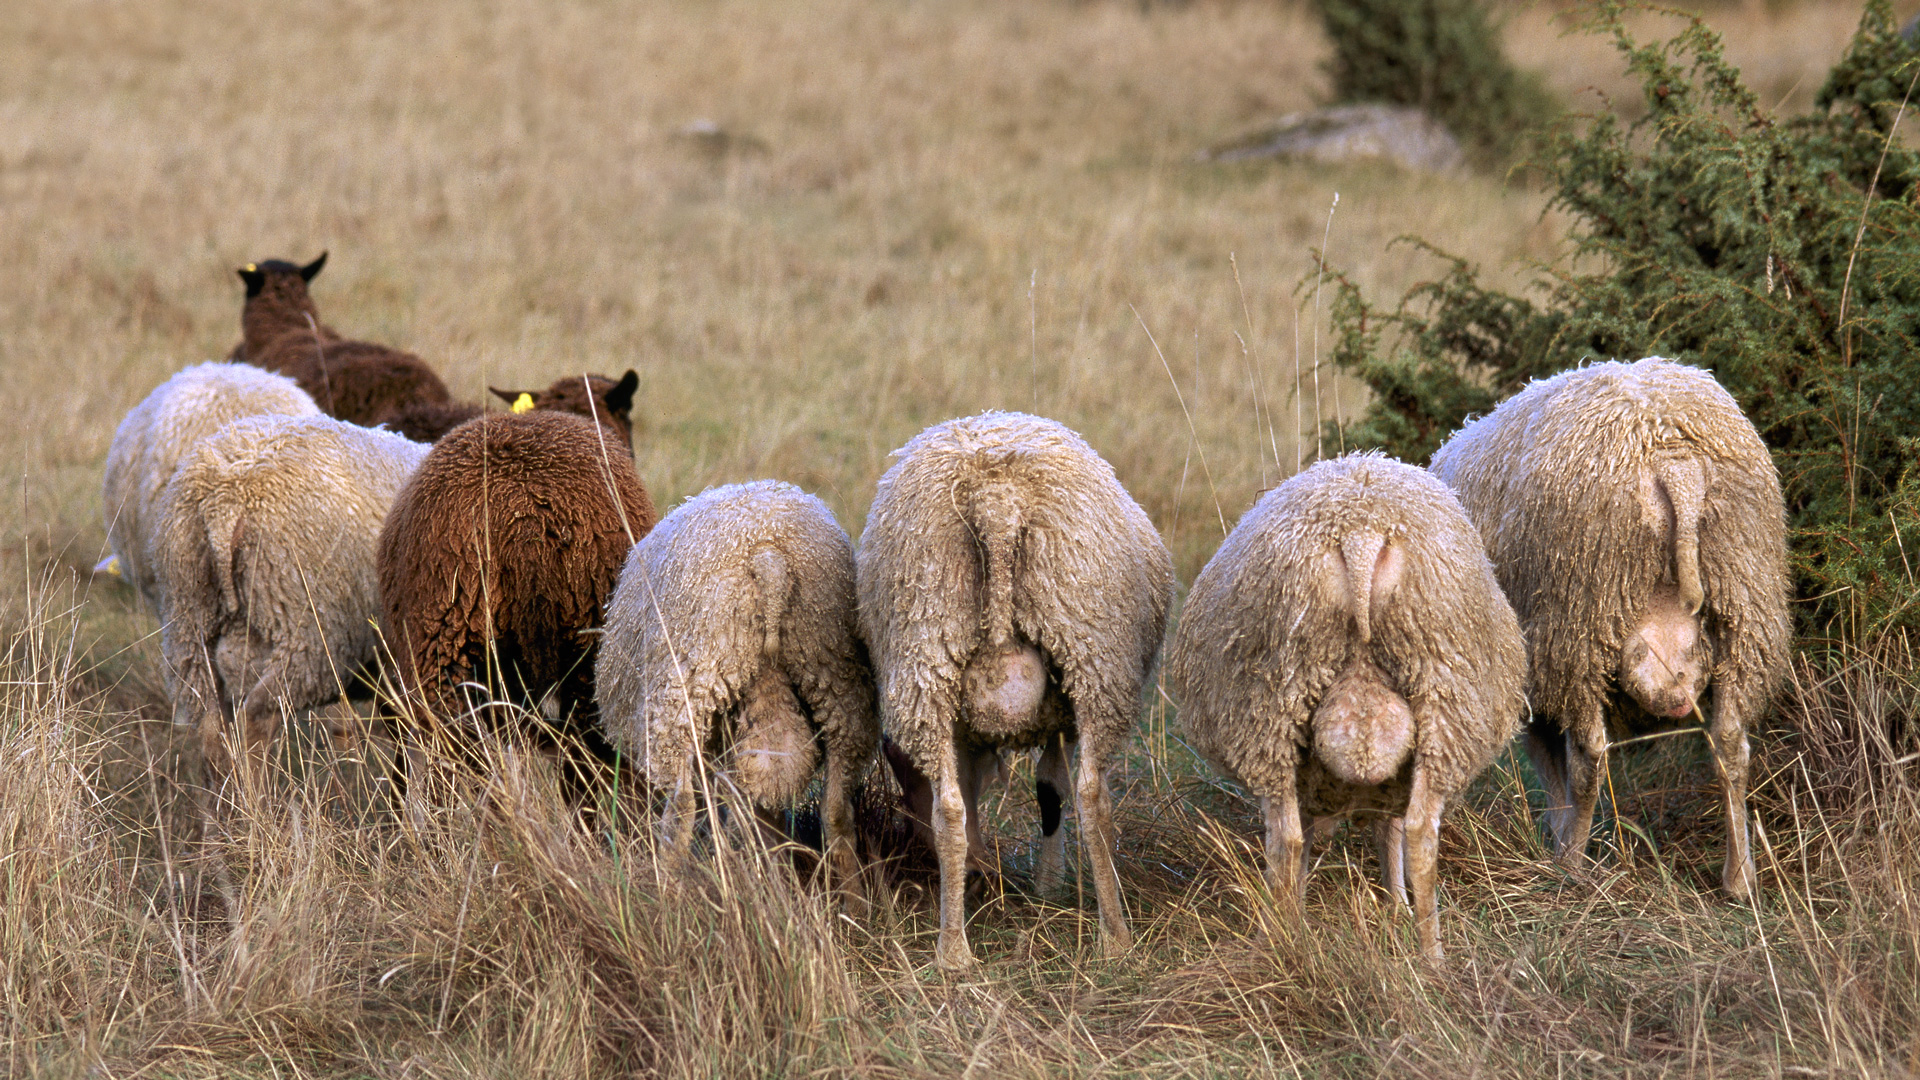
1347 649
1635 519
731 638
157 433
265 549
1013 596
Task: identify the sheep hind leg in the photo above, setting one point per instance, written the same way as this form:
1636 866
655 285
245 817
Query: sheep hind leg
1099 838
1548 749
1390 839
950 817
1422 825
1286 846
1730 758
843 861
1051 783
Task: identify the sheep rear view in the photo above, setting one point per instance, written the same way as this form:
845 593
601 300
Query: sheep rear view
267 549
1346 650
731 639
157 433
1636 520
1014 596
498 557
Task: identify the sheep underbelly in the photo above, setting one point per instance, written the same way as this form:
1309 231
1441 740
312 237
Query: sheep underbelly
1323 794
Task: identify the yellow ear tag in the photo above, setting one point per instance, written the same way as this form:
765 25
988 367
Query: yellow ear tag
523 403
109 565
252 269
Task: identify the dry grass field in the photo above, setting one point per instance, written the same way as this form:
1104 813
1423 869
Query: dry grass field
814 228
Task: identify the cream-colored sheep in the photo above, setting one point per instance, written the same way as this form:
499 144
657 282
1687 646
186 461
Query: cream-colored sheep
1635 520
1013 596
1347 649
731 638
265 551
158 432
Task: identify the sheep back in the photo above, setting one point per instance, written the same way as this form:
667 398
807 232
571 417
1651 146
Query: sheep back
738 584
1566 481
514 528
1002 525
268 538
1270 630
154 436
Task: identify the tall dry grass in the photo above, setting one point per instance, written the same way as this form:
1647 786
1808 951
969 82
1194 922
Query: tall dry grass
908 212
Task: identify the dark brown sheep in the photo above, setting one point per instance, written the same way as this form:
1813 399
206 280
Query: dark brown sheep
499 555
356 381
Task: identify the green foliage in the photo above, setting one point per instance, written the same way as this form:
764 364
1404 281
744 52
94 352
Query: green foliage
1784 255
1442 56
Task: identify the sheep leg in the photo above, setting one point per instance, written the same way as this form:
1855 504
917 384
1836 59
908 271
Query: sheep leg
1730 757
1051 782
1095 804
950 819
1587 767
1286 844
1390 838
836 813
677 823
1422 841
1548 748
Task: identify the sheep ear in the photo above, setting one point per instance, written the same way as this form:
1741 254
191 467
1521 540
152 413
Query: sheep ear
255 278
508 396
620 398
312 269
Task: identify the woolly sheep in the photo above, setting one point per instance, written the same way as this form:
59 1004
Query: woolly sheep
149 443
1347 649
1635 519
1013 596
505 545
356 381
731 636
266 548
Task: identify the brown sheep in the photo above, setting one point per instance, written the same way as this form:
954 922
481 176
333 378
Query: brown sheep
356 381
1635 520
500 553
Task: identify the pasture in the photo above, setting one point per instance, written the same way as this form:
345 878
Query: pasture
815 228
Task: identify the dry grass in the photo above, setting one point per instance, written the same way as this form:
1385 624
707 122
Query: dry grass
919 211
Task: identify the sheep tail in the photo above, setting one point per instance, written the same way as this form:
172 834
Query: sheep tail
996 520
1371 565
770 574
1686 489
224 526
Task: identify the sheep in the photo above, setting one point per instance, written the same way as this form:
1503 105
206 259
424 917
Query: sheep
504 546
266 548
356 381
1013 596
192 404
732 632
1347 649
1635 519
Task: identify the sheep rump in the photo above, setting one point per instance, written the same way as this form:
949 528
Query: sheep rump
731 637
505 544
157 433
1347 649
999 547
267 544
1635 518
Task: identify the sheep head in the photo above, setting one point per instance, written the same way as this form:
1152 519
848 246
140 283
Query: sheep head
610 402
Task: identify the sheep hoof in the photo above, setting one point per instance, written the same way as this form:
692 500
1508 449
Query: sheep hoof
954 956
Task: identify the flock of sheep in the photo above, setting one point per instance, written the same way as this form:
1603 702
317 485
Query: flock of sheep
1606 548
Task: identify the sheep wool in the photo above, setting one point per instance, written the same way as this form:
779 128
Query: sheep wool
1635 518
158 433
266 549
731 637
507 540
1013 595
1348 649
